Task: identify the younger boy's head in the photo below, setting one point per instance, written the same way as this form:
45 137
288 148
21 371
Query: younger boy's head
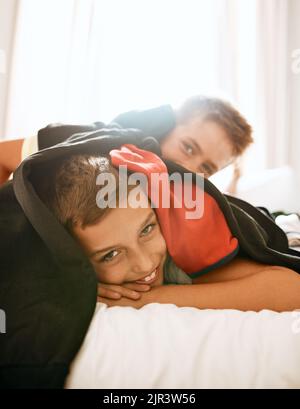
210 133
123 244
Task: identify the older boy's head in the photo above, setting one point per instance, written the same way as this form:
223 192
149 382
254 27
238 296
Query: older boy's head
209 135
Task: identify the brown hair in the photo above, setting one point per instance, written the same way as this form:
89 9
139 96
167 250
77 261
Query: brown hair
221 112
71 190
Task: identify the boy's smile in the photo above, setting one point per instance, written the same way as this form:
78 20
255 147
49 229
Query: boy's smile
126 245
150 278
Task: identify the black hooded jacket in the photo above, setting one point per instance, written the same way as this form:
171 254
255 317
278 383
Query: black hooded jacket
48 287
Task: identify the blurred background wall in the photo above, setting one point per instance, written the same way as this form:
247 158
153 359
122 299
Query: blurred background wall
86 60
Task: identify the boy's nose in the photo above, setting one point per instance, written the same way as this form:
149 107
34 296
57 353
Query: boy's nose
190 164
143 266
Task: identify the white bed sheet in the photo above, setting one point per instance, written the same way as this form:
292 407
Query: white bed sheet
164 346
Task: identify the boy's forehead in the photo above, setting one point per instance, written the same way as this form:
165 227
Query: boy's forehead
212 137
116 218
117 226
132 212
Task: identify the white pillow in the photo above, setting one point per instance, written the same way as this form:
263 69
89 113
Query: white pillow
164 346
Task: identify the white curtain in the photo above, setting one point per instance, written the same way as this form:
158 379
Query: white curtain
253 70
272 65
86 60
40 74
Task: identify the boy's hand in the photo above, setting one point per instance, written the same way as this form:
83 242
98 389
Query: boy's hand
147 297
127 290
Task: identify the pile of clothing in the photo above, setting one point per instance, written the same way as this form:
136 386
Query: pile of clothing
290 224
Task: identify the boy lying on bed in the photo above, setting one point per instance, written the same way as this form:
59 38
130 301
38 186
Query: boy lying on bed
204 135
130 255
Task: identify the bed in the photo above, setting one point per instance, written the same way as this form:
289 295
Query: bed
164 346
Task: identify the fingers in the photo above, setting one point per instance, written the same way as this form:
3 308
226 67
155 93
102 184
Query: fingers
137 287
115 292
106 301
107 293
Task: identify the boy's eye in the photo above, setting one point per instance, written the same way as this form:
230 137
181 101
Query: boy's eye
188 148
109 256
148 229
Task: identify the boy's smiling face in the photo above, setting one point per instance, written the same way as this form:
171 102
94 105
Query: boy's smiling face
126 245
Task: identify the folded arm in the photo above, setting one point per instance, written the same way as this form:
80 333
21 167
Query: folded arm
274 288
